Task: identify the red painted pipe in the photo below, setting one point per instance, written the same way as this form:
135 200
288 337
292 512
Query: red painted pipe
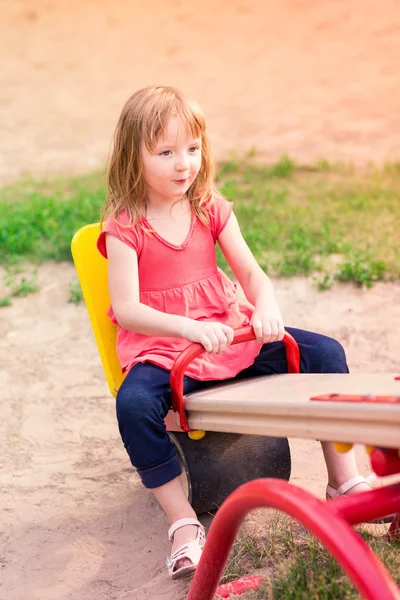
238 587
245 334
367 506
353 554
385 461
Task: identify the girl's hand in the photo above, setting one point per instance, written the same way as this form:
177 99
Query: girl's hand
213 336
267 326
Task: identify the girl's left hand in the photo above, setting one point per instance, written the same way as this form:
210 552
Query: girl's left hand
267 326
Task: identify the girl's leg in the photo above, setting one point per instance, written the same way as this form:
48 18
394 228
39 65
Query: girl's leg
318 354
142 404
341 468
173 501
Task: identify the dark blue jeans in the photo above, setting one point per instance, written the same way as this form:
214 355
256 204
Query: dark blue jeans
144 400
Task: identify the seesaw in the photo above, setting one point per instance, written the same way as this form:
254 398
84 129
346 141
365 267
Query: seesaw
306 406
214 466
341 408
247 425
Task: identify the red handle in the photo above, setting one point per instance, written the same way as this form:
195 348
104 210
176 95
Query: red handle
245 334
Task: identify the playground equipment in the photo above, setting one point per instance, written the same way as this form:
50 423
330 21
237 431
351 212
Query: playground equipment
238 418
329 521
346 408
362 408
213 465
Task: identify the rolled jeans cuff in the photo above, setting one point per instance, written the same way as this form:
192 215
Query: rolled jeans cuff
160 474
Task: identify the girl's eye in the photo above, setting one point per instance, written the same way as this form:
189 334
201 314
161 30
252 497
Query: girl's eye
193 149
166 152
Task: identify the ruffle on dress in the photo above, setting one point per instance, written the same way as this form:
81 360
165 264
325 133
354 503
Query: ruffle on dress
209 299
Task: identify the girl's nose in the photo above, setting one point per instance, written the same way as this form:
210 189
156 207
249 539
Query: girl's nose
182 164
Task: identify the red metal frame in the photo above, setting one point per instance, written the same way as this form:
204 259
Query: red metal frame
328 521
385 461
237 587
245 334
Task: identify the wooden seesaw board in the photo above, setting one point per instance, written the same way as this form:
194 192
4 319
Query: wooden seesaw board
281 406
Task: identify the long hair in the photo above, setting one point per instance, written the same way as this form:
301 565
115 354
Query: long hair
143 120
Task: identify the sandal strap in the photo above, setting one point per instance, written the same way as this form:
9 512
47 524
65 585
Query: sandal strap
371 478
191 550
347 486
182 523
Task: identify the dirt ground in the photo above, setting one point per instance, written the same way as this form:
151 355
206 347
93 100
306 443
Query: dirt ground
301 77
76 522
307 78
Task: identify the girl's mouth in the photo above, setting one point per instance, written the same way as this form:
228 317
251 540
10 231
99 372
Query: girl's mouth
180 181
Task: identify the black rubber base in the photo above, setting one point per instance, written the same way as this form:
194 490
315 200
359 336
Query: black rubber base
220 462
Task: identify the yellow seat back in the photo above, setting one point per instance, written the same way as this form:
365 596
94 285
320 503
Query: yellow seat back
91 267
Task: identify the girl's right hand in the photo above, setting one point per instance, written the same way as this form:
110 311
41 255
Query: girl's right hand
213 336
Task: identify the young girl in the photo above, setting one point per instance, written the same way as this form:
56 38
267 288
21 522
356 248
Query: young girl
164 219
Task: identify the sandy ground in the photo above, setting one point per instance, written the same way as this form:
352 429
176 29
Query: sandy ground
304 77
76 522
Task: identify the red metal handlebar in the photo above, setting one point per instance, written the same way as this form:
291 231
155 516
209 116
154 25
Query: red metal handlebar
245 334
328 521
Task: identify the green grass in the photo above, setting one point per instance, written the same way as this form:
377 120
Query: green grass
38 219
295 566
75 292
24 287
362 269
6 301
325 220
20 282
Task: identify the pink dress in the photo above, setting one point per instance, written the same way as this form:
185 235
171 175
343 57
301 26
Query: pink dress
183 280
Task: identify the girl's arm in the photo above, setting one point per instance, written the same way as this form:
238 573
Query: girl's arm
123 285
267 319
131 314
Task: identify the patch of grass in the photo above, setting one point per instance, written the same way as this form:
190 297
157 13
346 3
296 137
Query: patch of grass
296 224
21 281
253 550
393 168
37 220
323 165
295 218
6 301
295 565
24 287
75 292
323 282
229 167
283 168
361 269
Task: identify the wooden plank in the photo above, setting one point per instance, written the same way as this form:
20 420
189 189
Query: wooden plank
280 405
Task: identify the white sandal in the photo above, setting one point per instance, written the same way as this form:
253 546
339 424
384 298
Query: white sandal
191 550
348 485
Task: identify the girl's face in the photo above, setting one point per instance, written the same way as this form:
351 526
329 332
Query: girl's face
173 164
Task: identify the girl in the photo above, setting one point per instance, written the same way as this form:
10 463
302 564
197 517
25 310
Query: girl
164 219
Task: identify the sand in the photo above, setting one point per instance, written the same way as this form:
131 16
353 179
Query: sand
76 522
307 78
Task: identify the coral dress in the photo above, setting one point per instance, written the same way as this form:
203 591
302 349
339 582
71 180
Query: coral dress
183 280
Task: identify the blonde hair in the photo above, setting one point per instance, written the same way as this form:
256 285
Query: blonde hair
143 120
